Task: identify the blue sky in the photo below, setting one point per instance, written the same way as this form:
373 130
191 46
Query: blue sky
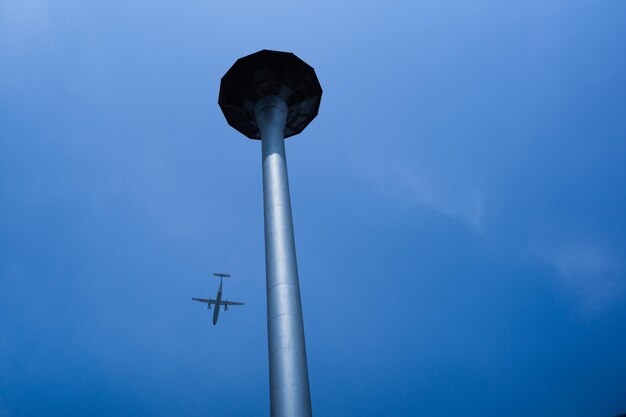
459 208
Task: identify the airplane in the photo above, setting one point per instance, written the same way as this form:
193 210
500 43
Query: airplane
218 301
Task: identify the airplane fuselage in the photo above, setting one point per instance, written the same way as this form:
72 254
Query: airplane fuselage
218 300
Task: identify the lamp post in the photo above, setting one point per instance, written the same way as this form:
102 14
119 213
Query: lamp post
272 95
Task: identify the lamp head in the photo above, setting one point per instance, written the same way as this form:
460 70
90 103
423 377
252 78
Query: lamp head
269 73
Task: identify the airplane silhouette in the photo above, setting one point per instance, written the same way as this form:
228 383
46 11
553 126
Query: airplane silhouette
218 299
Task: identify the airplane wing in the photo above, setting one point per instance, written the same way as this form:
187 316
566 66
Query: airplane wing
209 301
230 303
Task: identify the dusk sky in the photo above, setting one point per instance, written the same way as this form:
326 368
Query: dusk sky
459 208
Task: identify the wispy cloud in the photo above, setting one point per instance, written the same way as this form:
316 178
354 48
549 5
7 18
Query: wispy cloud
455 200
588 272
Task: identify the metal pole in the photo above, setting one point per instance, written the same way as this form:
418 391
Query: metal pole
289 377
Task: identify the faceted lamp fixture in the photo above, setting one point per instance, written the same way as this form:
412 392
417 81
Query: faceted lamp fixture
269 73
